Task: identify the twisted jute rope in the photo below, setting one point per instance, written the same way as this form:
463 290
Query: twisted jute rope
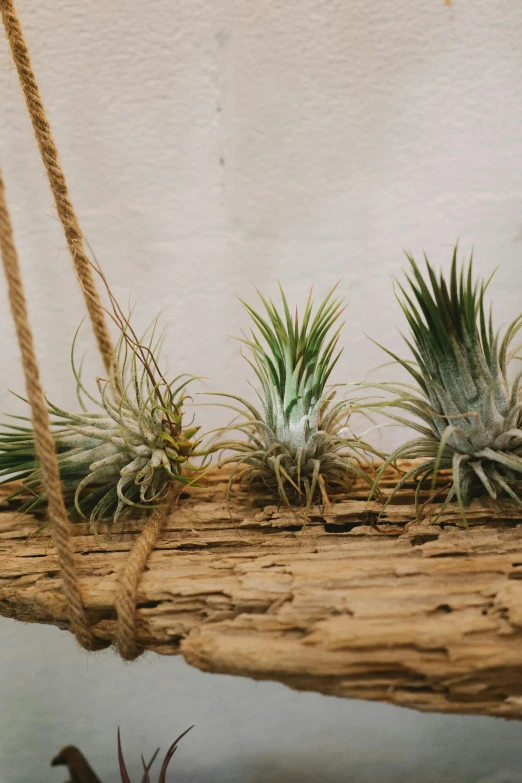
133 568
42 434
49 153
130 575
129 579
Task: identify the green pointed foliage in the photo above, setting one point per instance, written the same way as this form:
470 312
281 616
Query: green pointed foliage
466 399
295 440
123 452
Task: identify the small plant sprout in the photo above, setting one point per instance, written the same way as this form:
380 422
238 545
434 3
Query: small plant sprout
296 444
81 771
125 454
465 408
146 767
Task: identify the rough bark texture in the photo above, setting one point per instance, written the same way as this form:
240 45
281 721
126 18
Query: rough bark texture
427 617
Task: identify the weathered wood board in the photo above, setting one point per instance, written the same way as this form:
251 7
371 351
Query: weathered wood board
428 617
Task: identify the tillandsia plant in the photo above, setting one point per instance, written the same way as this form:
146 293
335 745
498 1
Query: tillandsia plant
125 454
146 767
82 772
467 411
297 444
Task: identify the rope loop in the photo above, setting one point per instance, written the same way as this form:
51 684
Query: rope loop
132 571
44 442
129 579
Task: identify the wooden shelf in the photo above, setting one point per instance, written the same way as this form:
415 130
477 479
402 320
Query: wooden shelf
429 617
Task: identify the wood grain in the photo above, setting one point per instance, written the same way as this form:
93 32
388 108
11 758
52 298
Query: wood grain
428 617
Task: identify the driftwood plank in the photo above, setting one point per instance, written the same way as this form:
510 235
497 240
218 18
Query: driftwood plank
427 617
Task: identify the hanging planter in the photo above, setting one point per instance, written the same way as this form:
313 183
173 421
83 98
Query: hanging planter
430 618
321 591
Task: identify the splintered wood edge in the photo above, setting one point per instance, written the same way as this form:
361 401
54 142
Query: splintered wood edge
428 617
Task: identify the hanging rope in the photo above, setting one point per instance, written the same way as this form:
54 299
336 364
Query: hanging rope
131 573
129 580
42 434
49 153
133 568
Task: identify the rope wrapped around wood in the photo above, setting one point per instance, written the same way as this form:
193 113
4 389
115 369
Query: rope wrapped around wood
134 567
129 580
42 434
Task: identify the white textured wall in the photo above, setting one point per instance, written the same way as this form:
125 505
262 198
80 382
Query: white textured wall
213 146
210 146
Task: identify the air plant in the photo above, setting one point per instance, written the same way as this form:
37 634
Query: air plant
296 444
82 772
467 411
146 767
127 453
